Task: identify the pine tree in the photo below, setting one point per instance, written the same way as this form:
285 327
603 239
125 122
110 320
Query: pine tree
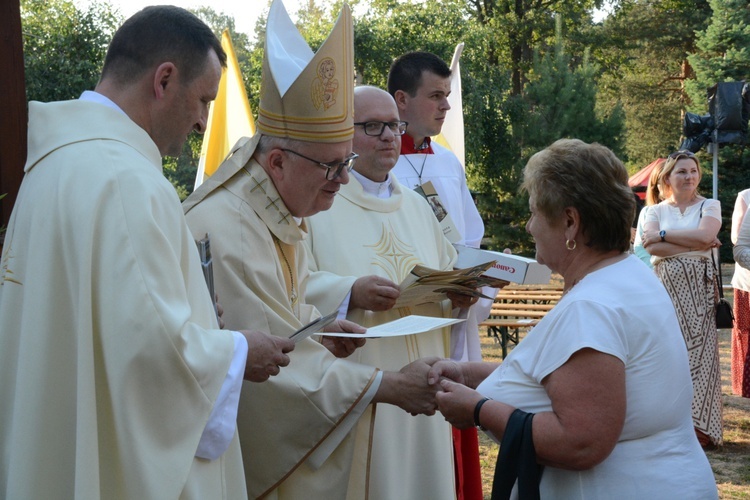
559 101
723 49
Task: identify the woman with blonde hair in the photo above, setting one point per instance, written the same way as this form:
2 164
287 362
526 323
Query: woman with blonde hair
680 233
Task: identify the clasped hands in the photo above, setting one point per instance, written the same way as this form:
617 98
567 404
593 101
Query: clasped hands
436 384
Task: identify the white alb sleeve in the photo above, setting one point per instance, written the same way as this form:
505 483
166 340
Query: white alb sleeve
222 422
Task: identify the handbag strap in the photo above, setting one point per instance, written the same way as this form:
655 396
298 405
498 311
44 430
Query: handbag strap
717 271
717 277
517 460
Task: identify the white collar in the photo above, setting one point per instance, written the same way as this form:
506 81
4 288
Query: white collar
377 189
92 96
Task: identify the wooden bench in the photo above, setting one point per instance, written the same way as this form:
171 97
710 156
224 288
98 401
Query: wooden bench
515 311
507 330
542 298
516 307
499 307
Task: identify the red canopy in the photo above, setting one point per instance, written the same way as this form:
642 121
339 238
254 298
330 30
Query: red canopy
641 177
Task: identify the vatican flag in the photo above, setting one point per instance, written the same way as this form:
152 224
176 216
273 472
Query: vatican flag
229 118
452 135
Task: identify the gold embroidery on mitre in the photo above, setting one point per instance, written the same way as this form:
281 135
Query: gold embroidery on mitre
325 86
392 255
318 105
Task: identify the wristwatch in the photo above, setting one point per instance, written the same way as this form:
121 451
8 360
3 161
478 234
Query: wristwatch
662 235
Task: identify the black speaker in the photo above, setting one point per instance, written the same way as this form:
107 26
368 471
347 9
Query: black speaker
697 131
729 104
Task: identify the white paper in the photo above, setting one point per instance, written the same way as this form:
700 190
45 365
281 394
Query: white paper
409 325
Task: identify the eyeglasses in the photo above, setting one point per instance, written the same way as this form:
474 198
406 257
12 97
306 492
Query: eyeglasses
681 153
335 166
375 128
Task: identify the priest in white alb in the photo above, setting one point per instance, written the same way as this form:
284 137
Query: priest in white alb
115 378
360 249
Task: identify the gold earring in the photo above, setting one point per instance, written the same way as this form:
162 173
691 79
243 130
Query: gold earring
570 244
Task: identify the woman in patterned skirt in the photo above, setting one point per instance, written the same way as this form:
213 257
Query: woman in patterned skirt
679 234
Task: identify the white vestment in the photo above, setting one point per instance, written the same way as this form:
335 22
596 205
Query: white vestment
257 246
396 455
449 179
111 357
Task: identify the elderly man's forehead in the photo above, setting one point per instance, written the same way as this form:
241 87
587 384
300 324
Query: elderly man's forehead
335 150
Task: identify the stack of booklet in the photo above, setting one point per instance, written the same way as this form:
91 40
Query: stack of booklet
424 285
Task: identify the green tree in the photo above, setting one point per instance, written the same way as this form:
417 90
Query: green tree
558 101
722 51
520 26
64 47
181 170
642 50
562 99
391 29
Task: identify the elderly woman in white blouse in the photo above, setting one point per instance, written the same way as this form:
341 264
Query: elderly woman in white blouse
600 388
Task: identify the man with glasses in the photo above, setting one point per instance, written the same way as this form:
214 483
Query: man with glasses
369 241
295 434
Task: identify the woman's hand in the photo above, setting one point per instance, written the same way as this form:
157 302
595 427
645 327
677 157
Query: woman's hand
649 237
456 402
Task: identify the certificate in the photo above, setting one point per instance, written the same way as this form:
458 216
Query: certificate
409 325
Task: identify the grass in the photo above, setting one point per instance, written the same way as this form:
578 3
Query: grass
730 464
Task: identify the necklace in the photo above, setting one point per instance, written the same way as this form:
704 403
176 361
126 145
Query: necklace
293 294
595 266
421 169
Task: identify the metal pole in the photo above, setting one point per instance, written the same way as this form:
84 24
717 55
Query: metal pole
715 148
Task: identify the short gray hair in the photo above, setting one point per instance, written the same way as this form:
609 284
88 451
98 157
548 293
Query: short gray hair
590 178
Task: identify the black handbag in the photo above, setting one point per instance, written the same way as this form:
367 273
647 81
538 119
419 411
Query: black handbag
517 460
724 314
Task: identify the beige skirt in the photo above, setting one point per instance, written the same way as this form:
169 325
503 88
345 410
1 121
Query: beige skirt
691 285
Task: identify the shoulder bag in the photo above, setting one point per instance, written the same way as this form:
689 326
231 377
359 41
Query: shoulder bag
724 314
